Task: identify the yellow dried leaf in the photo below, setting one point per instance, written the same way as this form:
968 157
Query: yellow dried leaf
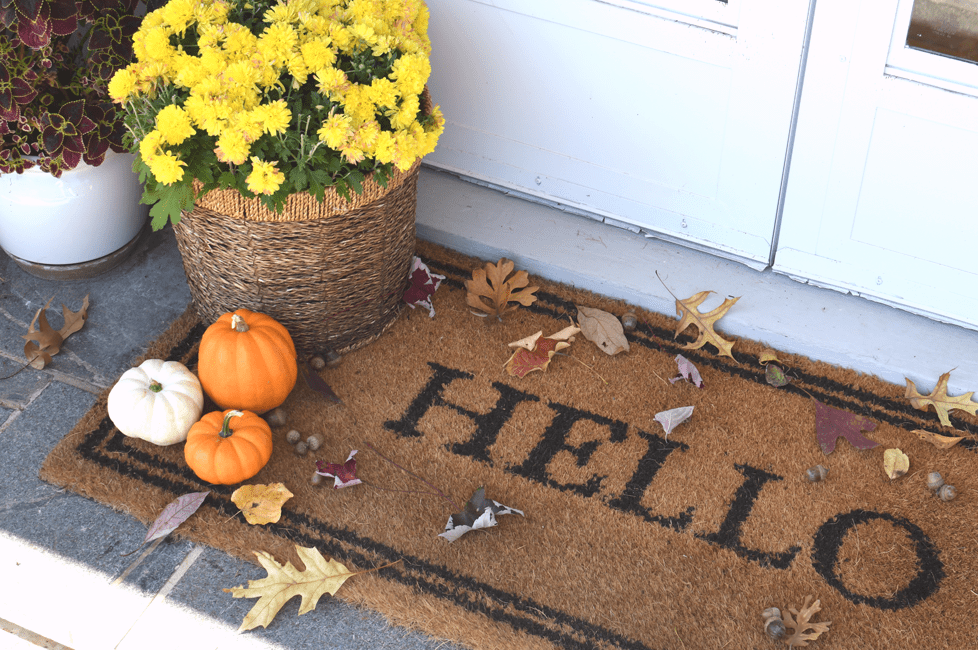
895 463
939 441
803 629
261 504
283 583
495 284
769 355
691 315
940 400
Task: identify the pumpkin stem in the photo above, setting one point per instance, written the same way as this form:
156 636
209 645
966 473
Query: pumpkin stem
226 428
155 386
238 324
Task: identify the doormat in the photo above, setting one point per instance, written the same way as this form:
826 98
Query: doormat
629 537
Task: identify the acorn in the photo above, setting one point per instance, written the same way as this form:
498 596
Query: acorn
317 363
301 448
947 492
333 359
773 625
629 321
276 417
293 436
314 442
816 474
934 480
317 479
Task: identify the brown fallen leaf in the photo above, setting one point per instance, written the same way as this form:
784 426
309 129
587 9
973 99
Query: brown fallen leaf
284 582
940 400
261 504
602 329
803 629
895 463
45 342
535 352
492 283
939 441
768 355
689 311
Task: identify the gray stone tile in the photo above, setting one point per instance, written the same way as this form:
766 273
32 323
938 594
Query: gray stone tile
62 522
130 306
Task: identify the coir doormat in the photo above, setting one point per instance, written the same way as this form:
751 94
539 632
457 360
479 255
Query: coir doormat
630 538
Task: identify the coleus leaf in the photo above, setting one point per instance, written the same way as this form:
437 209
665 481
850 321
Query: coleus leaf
832 423
423 284
687 371
673 417
344 475
479 512
775 376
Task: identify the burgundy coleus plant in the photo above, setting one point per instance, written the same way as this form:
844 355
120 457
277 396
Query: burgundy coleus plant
56 59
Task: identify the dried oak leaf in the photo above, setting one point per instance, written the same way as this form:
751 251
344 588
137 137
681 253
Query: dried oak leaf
535 352
940 400
803 629
45 342
283 583
691 315
602 329
261 504
939 441
492 283
831 423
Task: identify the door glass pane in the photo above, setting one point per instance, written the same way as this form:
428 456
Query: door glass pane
948 27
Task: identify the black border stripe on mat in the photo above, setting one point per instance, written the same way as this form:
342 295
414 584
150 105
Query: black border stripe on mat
862 402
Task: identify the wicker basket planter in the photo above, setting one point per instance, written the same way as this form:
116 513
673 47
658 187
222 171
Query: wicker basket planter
332 273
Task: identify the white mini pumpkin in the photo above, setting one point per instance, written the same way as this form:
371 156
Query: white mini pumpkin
158 401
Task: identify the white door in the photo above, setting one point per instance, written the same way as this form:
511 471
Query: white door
669 116
882 196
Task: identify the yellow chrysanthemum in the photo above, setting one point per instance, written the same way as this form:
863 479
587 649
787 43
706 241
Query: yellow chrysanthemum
122 84
232 148
167 168
317 54
178 14
334 131
277 40
274 118
149 146
173 123
264 178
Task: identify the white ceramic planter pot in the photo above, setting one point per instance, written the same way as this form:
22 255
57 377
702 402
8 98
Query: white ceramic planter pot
75 226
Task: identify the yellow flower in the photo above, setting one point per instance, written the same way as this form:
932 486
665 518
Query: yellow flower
274 118
173 123
332 82
167 168
264 178
122 84
317 54
277 41
178 14
334 131
232 148
150 145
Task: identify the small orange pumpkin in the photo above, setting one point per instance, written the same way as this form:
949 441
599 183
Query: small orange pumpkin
247 361
227 448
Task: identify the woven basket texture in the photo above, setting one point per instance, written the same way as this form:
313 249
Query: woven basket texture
331 272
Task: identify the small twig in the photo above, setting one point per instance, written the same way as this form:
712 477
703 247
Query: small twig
564 354
660 378
36 356
438 492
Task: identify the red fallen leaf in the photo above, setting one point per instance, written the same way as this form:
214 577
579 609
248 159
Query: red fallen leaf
423 284
832 423
535 352
344 475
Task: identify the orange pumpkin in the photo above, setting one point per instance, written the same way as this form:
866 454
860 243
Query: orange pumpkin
227 448
247 361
